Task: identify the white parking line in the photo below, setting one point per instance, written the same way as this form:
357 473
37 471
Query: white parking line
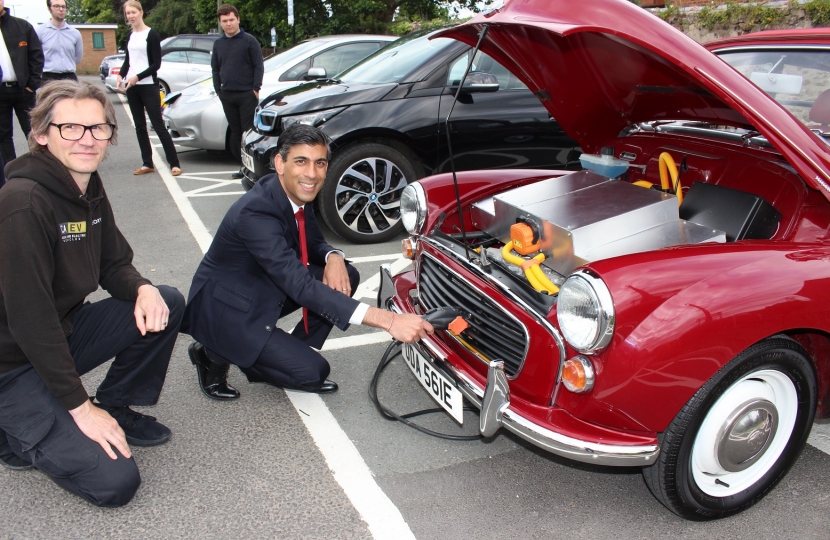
347 465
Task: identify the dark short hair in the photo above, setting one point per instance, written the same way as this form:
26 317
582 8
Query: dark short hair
227 9
49 4
302 134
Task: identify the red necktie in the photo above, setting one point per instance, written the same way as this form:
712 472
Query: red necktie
300 215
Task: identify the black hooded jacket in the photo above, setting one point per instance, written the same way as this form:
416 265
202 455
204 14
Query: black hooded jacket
56 246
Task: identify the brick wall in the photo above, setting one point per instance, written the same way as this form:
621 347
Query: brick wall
92 57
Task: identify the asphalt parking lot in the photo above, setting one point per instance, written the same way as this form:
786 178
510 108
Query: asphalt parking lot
277 464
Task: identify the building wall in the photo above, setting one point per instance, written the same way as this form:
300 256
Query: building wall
92 57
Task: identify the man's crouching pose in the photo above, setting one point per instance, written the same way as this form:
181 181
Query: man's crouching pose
269 259
59 242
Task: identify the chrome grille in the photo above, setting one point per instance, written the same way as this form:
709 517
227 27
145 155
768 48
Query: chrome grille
493 333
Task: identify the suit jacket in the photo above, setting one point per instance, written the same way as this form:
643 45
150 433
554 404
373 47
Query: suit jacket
250 269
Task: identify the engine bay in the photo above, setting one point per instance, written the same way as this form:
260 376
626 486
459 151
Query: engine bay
549 228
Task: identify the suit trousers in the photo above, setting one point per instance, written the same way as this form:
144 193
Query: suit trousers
239 109
14 100
139 98
287 360
36 427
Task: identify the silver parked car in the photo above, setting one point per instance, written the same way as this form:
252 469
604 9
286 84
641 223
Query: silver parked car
179 68
195 117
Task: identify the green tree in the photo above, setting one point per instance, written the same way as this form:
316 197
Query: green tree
99 11
322 17
172 17
75 12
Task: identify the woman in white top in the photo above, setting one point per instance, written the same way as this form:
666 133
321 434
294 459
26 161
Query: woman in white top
138 79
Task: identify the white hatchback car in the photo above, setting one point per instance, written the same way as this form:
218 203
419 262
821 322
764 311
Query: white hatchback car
179 68
195 117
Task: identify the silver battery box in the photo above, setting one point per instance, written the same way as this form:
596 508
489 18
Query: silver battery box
584 217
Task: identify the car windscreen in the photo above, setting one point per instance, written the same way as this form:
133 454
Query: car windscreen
395 61
288 57
797 79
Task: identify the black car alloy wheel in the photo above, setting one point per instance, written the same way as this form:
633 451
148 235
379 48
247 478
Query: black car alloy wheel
361 198
739 434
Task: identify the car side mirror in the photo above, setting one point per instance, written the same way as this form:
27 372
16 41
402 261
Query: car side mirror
479 82
315 73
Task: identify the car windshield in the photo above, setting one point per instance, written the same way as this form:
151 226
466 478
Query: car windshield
797 79
395 61
292 54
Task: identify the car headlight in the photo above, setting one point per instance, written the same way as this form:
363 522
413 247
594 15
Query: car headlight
205 92
413 208
311 119
585 311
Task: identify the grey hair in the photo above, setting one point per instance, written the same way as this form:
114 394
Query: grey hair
43 112
302 134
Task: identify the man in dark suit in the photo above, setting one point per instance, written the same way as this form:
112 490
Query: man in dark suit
255 272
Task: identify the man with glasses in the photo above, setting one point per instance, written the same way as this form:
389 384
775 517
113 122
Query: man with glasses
59 243
21 61
62 45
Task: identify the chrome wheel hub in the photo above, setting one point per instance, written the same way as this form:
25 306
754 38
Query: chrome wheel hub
746 435
368 195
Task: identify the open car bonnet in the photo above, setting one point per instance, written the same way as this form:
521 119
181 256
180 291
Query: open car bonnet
603 65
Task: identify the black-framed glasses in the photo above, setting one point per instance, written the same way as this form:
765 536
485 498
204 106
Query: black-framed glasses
75 132
54 6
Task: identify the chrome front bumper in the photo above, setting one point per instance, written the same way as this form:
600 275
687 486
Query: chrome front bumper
497 412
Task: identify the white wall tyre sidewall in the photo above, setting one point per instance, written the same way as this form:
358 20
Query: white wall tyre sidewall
767 384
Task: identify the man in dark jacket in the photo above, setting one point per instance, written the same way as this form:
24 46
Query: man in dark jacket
59 243
237 76
21 60
269 259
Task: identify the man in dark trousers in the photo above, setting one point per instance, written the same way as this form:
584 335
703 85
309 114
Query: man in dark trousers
255 272
237 76
59 243
21 61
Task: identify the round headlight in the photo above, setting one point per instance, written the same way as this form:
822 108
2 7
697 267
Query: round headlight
585 311
413 208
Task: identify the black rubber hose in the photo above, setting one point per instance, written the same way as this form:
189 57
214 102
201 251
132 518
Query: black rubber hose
403 418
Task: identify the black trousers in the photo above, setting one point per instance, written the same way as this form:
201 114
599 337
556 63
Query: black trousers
66 75
239 109
139 98
287 360
14 100
38 428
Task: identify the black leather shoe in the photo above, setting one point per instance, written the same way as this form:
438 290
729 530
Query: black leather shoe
329 387
213 377
238 175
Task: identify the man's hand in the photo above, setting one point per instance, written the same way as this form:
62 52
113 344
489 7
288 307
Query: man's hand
335 274
29 89
151 312
102 428
256 93
405 327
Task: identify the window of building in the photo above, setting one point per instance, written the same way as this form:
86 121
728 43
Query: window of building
97 40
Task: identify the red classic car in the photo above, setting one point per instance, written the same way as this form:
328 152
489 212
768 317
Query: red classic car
666 307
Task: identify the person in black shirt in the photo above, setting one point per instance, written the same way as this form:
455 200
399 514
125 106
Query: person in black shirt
60 243
21 59
237 76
